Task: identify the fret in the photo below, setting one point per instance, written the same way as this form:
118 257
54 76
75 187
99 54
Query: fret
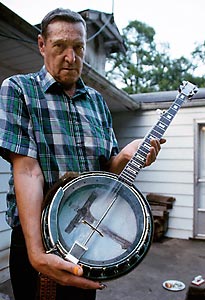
173 110
127 175
138 160
146 145
166 119
135 164
159 131
138 157
144 150
141 151
150 136
156 134
169 116
131 170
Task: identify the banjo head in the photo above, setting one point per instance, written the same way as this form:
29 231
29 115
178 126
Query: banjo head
99 222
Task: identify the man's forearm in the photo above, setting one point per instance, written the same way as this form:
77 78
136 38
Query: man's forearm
28 182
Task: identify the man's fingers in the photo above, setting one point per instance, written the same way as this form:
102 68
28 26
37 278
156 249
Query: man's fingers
162 141
77 270
154 150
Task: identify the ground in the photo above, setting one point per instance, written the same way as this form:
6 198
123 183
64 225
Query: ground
169 259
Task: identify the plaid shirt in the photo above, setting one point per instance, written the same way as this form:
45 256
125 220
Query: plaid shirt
37 119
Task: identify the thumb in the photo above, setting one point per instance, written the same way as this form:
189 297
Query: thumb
76 270
162 141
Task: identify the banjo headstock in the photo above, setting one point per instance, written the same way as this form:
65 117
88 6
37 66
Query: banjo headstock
188 89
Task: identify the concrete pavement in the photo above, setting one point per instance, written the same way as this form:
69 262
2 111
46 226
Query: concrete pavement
169 259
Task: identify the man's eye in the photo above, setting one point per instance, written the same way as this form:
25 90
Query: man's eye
79 48
59 46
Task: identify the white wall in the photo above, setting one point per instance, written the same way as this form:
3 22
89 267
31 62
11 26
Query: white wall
172 173
4 228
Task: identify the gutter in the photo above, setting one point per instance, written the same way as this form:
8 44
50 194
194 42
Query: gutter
149 101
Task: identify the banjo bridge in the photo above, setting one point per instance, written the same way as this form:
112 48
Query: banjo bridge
92 227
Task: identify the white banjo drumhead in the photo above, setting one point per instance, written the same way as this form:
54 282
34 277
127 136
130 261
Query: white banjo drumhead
108 219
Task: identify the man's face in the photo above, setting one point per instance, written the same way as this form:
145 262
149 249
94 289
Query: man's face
64 51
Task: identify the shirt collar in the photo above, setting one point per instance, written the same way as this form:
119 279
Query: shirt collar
49 84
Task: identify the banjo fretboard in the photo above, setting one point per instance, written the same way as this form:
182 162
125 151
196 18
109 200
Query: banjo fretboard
131 170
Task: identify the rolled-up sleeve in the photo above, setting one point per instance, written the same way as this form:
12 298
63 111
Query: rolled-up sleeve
16 134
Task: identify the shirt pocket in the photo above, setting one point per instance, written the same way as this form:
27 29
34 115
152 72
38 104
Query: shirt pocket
98 140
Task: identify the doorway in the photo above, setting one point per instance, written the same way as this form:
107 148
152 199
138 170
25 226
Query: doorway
199 180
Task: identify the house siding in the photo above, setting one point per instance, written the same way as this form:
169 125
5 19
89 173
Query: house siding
4 228
173 172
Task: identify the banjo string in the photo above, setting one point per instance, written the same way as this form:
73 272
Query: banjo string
115 189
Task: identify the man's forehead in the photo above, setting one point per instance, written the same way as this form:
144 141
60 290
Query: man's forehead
66 29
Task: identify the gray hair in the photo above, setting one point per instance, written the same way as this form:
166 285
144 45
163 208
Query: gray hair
60 14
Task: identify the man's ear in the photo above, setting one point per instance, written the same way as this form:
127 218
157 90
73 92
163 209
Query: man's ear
41 44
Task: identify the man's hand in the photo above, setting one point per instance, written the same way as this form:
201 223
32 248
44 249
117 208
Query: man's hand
118 162
64 272
154 150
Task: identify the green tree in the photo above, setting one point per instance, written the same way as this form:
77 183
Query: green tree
145 68
199 53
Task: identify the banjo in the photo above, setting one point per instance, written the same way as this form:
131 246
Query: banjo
101 220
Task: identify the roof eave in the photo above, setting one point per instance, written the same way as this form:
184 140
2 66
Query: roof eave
116 99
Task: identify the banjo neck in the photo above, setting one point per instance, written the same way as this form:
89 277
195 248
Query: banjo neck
136 163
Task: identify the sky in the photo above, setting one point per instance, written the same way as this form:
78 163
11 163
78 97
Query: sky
180 23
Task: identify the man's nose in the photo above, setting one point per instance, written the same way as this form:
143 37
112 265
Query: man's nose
70 56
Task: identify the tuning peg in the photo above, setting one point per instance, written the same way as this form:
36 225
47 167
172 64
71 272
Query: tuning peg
160 112
184 83
193 91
